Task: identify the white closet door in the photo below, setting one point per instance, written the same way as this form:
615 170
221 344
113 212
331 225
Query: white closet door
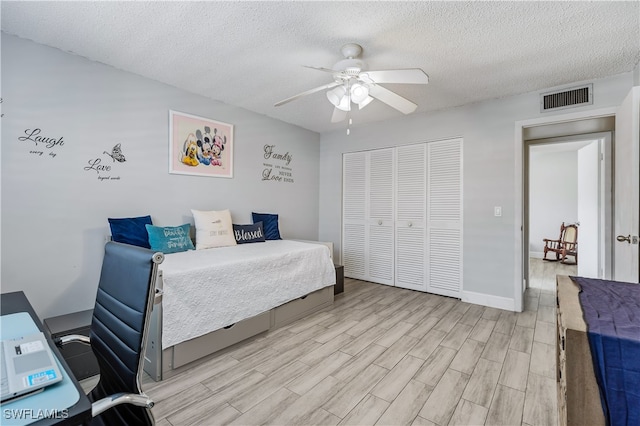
354 192
380 245
444 218
410 221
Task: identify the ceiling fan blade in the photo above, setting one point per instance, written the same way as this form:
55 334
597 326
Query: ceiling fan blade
408 76
394 100
338 115
308 92
321 69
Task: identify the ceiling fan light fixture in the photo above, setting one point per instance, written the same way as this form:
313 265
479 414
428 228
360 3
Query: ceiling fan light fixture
345 104
365 102
359 93
336 95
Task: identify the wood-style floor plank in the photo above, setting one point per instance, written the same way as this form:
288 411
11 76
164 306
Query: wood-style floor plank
445 397
405 407
468 413
506 407
367 412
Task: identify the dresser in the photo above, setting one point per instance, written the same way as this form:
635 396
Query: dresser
578 395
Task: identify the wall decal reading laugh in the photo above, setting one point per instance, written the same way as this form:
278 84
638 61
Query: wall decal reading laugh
41 142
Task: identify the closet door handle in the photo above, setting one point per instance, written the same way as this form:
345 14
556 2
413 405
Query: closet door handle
379 222
410 224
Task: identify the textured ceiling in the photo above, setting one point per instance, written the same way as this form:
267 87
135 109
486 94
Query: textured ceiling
250 54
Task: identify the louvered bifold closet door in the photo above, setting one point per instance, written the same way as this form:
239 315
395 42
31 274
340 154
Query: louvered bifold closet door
444 217
380 244
354 223
410 221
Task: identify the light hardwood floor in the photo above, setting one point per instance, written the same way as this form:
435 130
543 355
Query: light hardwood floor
379 355
542 274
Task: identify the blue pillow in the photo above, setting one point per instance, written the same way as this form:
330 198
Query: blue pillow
170 239
269 223
248 233
130 230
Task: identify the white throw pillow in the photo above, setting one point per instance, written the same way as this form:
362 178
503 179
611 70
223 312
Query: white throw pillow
213 229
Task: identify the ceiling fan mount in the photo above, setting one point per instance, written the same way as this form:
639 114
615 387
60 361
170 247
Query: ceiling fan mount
351 50
351 66
353 83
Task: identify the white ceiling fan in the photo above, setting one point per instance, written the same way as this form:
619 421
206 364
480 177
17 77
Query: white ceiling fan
353 83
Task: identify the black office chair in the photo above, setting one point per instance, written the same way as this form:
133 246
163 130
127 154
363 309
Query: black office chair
119 333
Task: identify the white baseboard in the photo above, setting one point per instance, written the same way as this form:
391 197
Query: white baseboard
488 300
536 254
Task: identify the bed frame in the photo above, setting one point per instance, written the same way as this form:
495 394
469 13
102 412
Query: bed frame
161 364
578 394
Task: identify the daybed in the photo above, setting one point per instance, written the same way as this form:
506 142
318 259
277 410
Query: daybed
211 299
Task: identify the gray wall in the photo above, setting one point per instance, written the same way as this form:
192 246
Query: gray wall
488 129
54 213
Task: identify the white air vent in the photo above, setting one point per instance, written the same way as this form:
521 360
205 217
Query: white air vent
568 98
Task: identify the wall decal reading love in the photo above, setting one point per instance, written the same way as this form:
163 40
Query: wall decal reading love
104 170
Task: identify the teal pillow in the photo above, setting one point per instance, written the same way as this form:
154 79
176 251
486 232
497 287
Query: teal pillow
170 239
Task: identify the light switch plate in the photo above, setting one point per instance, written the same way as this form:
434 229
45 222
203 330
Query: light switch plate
497 211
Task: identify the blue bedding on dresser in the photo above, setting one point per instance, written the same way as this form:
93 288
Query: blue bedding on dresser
612 313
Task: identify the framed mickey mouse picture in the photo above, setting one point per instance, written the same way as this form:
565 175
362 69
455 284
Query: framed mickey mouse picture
200 146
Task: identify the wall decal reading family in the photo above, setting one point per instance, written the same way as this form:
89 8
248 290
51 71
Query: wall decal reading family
39 141
282 172
96 165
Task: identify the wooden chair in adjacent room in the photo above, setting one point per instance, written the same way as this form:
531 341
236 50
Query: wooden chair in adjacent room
565 245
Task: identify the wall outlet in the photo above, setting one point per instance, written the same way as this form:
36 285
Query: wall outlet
497 211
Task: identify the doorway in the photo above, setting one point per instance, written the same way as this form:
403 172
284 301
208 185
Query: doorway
625 119
567 181
571 124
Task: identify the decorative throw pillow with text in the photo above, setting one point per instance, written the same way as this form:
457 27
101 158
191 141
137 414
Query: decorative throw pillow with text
170 239
248 233
213 229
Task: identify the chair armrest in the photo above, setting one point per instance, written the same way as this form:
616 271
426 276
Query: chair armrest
551 241
72 338
104 404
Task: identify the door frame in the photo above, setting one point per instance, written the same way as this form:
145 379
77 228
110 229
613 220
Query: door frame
519 219
604 139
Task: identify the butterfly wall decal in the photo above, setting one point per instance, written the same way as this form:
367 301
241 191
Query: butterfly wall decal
116 154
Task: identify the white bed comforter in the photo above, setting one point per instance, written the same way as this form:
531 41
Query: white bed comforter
205 290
